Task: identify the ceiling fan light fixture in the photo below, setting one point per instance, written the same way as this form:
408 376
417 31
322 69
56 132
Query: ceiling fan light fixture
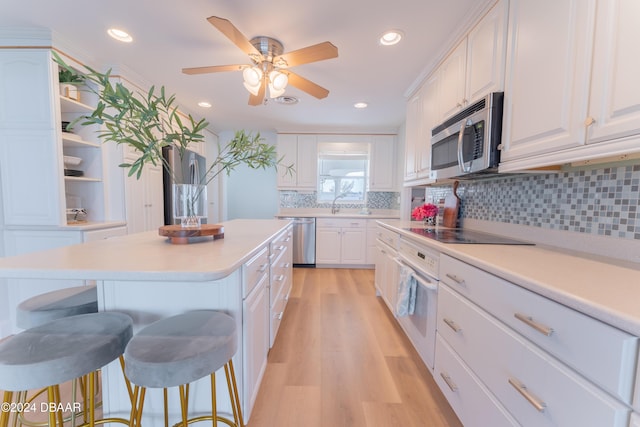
252 76
278 80
253 90
273 92
391 37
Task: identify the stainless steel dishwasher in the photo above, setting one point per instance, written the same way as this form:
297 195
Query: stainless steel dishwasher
304 242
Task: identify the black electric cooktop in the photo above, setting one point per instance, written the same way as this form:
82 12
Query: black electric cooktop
459 235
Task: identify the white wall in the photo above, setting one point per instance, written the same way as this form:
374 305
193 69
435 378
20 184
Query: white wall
251 193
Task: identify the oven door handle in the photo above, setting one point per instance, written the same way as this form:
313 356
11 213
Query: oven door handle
421 280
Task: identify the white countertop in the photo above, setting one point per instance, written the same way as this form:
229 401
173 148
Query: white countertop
343 213
604 289
148 256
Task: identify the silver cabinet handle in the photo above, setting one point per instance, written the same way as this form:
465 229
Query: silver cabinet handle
455 279
263 267
543 329
279 278
447 379
278 316
522 389
450 323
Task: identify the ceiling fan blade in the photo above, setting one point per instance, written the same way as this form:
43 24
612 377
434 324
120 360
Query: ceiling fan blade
307 85
259 98
212 69
233 34
317 52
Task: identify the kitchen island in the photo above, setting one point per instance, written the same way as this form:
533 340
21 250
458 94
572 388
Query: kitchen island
149 278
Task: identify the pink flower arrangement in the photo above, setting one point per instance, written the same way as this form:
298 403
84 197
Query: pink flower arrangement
425 211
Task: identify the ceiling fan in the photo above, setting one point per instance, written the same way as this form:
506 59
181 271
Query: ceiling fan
270 68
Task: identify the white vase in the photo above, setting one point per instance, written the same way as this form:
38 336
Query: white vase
189 204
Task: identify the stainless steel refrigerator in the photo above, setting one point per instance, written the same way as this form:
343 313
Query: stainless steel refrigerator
189 169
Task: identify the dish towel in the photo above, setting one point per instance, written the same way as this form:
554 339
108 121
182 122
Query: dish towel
406 303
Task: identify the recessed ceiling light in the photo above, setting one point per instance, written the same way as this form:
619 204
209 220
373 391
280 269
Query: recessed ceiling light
391 37
204 104
360 105
120 35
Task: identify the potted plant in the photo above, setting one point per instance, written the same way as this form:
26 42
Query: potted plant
69 81
149 122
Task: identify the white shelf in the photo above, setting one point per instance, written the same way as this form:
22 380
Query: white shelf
69 105
73 140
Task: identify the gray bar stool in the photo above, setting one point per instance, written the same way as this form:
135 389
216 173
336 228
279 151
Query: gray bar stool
50 306
179 350
60 351
54 305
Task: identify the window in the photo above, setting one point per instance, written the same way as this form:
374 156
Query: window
342 175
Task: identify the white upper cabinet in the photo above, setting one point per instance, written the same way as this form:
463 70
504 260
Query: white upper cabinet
614 108
547 76
452 80
423 113
382 160
572 91
301 151
476 66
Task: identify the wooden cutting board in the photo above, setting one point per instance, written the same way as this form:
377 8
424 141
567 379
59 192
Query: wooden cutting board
179 235
451 206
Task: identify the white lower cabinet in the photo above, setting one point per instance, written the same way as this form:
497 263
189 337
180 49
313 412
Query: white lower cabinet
281 279
341 241
533 386
255 325
469 398
635 420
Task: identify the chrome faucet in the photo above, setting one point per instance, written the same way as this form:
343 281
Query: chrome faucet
334 208
345 191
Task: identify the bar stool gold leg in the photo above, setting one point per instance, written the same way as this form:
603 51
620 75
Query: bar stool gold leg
4 415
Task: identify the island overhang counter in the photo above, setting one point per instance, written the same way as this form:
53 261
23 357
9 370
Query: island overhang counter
148 278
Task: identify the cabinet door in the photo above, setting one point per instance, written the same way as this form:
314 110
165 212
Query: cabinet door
412 135
353 245
547 81
430 114
287 150
452 79
31 172
154 199
486 48
328 246
382 162
307 161
256 339
614 109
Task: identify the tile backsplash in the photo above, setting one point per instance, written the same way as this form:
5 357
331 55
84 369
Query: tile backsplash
375 200
603 201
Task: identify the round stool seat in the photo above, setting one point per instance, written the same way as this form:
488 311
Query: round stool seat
181 349
62 350
54 305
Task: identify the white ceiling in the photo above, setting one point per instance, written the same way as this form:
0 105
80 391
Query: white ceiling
170 35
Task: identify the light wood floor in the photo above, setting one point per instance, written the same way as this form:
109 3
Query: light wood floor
341 359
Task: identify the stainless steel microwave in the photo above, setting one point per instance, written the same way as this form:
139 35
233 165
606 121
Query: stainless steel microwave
468 143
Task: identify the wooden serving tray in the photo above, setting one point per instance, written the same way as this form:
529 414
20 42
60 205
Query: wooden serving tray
179 235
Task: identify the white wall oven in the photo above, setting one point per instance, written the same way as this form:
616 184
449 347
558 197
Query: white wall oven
420 325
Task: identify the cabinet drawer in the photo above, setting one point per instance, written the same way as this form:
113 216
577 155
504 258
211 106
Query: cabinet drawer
598 351
388 237
104 233
281 242
341 222
253 270
277 312
534 387
471 401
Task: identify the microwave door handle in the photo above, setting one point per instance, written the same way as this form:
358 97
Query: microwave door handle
463 169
